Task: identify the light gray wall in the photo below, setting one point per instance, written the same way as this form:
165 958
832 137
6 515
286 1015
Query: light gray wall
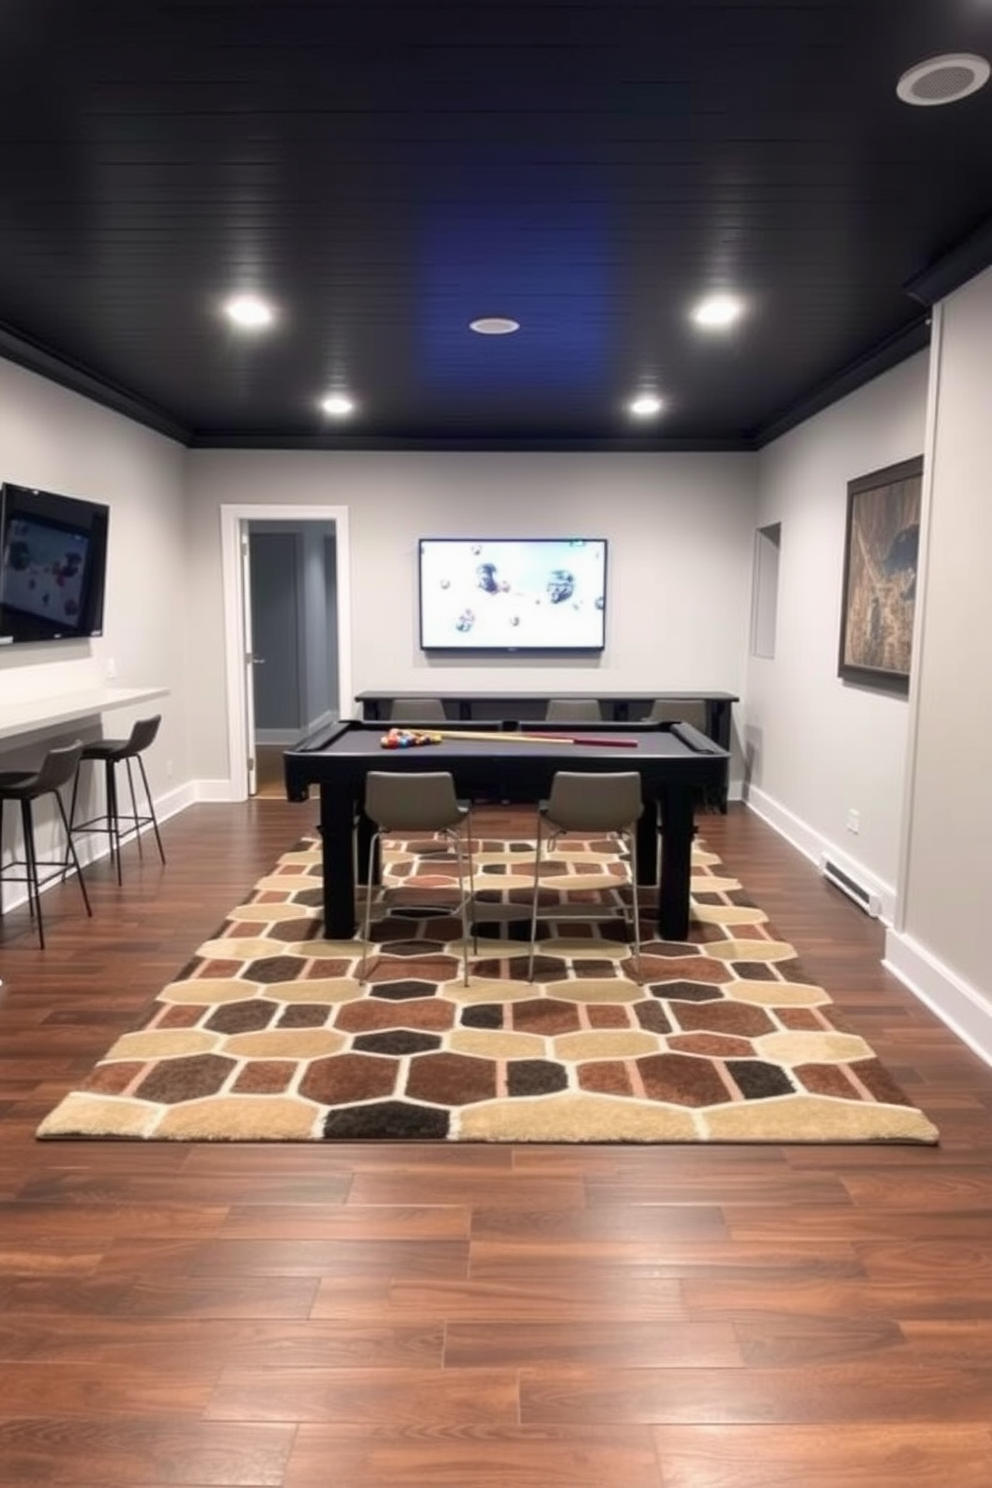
818 747
57 440
679 528
940 944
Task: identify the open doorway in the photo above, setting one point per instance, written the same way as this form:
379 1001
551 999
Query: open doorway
287 623
292 599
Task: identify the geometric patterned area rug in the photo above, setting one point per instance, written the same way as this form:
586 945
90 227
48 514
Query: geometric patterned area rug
272 1033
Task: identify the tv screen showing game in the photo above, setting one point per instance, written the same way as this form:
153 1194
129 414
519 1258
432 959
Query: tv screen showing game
512 594
53 553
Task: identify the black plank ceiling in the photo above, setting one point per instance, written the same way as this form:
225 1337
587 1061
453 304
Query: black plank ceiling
384 173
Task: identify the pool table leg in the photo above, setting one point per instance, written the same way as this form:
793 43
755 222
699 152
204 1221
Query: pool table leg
647 844
337 816
676 860
718 728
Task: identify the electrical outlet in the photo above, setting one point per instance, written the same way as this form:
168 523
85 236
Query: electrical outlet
168 769
854 821
110 669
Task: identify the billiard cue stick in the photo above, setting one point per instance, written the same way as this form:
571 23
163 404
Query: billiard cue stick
510 737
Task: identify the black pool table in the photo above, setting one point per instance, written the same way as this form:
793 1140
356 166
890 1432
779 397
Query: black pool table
674 761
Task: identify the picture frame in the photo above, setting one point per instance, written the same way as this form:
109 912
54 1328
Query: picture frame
881 556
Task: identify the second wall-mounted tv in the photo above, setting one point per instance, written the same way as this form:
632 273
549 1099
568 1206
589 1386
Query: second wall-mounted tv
53 565
512 594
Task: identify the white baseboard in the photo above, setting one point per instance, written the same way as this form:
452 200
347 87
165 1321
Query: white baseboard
218 790
91 847
175 800
955 1002
814 846
959 1006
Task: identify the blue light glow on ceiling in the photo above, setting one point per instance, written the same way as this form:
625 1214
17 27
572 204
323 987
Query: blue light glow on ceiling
546 270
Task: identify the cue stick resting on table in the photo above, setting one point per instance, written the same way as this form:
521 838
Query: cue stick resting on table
511 736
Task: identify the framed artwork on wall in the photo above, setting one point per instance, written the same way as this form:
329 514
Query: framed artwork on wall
881 552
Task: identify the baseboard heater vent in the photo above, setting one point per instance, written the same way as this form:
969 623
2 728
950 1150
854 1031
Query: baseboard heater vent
869 902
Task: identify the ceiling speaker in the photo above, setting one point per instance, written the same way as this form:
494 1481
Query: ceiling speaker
943 79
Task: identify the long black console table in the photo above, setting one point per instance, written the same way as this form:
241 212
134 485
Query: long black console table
619 707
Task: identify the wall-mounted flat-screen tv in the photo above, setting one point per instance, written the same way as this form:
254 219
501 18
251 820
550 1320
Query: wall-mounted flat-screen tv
53 565
512 594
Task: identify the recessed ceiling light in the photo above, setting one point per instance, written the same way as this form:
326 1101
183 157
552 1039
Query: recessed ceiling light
646 404
494 325
337 405
249 311
943 79
718 310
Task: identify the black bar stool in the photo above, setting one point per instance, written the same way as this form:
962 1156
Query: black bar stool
27 786
113 752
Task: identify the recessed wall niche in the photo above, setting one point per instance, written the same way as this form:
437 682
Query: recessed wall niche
764 591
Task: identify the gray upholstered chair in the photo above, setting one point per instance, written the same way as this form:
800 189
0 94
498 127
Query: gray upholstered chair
581 801
400 801
573 710
417 710
679 710
27 786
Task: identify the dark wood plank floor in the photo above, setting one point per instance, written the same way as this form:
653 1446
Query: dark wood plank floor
269 779
466 1317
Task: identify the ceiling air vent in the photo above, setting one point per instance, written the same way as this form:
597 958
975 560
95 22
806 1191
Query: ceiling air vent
943 79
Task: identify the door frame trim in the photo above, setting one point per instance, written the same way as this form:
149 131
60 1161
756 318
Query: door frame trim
234 520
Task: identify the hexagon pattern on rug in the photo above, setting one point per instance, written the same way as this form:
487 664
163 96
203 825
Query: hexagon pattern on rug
275 1034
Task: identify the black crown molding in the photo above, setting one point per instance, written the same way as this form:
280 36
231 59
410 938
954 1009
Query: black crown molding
209 439
41 359
889 353
961 263
47 363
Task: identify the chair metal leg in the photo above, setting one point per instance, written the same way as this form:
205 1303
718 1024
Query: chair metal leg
471 883
134 806
113 819
151 808
71 855
533 902
31 868
462 848
72 813
367 919
75 795
466 900
110 821
630 839
632 921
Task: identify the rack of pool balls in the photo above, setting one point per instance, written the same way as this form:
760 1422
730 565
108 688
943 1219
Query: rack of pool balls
408 739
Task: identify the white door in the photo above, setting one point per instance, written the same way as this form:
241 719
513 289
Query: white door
249 660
